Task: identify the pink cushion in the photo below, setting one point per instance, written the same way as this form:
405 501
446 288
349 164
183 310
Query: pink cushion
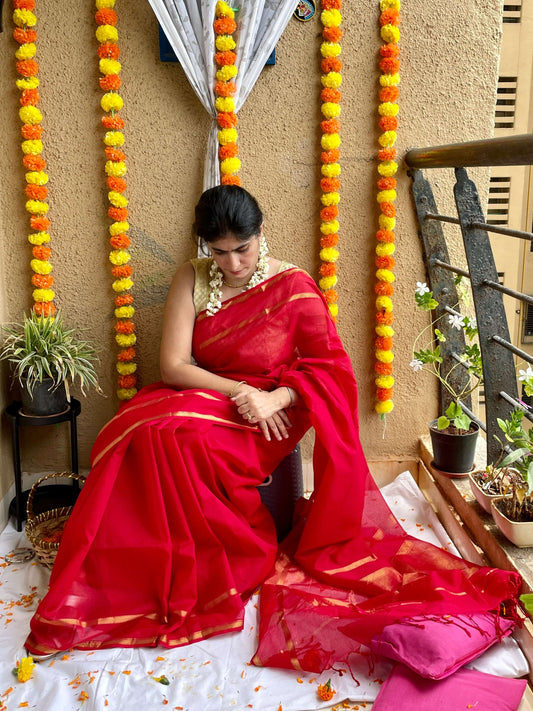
466 689
435 647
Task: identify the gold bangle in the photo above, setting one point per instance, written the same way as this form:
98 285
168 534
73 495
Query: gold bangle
236 387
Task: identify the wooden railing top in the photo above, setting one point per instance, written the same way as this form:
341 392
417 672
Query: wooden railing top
508 150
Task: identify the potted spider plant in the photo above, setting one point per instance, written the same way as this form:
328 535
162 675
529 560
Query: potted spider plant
45 357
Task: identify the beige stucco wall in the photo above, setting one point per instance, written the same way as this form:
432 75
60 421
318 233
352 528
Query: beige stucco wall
449 67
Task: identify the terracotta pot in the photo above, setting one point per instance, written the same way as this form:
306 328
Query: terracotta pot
518 532
453 453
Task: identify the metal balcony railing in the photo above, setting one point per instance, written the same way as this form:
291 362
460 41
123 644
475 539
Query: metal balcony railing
497 351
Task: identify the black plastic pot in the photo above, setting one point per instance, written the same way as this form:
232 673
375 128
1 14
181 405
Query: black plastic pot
453 453
44 398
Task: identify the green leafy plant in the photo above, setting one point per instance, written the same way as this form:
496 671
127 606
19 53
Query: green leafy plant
43 347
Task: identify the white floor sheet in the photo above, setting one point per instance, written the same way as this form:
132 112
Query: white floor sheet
213 675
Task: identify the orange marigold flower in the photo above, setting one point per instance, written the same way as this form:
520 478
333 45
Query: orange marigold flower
112 122
225 88
389 50
123 300
24 4
329 95
230 180
383 368
330 156
111 82
122 271
388 209
227 119
385 236
109 50
42 281
119 214
120 241
329 213
389 17
330 64
331 295
388 123
27 67
330 185
36 192
332 34
31 131
383 343
330 125
329 240
324 691
328 269
39 223
331 4
389 93
124 327
115 154
384 393
382 288
106 16
225 58
224 26
384 318
24 36
389 65
230 150
116 184
44 308
386 262
33 162
126 354
41 252
30 97
127 381
385 154
386 183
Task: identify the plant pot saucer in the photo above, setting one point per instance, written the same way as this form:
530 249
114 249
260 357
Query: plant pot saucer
453 475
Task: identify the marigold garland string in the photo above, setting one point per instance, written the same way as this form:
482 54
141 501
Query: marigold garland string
225 89
115 167
386 196
32 147
331 79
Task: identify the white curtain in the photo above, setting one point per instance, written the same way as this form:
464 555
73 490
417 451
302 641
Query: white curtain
188 25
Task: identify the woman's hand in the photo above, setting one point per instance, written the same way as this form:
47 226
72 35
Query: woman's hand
266 409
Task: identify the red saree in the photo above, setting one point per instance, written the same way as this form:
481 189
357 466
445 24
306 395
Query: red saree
169 535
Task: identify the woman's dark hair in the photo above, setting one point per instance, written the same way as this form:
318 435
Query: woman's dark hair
227 209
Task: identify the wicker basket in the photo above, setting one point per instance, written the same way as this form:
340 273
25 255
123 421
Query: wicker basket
44 530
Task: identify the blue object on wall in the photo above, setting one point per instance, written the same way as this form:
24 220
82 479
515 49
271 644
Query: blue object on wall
166 53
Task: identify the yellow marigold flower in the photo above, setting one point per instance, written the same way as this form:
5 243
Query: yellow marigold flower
386 196
101 4
24 17
118 227
326 283
229 166
40 266
329 228
225 104
389 79
30 114
330 110
26 51
32 147
329 141
36 177
332 80
330 199
334 310
225 43
122 285
117 199
227 135
386 223
390 33
27 83
330 170
384 406
385 331
385 249
329 254
385 275
384 303
125 340
25 669
43 295
110 66
106 33
116 169
224 10
384 381
111 102
114 138
388 168
126 393
389 5
388 108
124 312
330 49
384 356
331 18
227 72
39 238
36 207
119 256
387 139
126 368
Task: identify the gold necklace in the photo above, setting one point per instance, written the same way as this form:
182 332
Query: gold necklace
237 286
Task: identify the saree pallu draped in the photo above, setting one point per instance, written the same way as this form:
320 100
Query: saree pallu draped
169 536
